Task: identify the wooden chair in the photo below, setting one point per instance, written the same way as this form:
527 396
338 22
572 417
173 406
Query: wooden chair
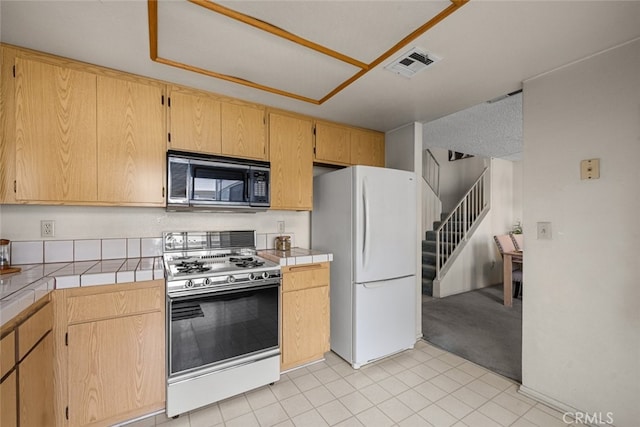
518 241
505 243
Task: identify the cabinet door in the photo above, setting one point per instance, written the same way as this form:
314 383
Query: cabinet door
55 133
291 157
305 325
8 401
195 122
7 126
332 143
36 385
131 142
367 148
116 368
243 131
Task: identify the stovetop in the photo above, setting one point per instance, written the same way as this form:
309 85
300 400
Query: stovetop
212 264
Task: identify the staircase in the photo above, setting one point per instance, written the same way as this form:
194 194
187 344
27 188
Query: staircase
429 256
450 234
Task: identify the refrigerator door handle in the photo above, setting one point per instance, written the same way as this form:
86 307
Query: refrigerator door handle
381 283
365 234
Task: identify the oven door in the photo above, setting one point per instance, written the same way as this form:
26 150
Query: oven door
217 329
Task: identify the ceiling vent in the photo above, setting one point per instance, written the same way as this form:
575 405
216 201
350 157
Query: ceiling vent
411 62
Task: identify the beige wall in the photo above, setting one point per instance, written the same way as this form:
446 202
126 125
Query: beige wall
581 316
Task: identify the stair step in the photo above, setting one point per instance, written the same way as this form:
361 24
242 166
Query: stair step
431 235
430 245
428 271
428 257
427 287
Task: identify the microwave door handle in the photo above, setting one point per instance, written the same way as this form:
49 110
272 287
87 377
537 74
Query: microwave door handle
246 187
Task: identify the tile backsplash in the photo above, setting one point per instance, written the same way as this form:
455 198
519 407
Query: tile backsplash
49 251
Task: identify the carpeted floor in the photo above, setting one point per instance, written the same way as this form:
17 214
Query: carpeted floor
476 325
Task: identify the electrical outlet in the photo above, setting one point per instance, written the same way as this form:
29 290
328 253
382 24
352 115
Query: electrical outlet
280 226
47 228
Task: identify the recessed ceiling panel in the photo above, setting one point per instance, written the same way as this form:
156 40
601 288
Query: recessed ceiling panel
363 30
201 38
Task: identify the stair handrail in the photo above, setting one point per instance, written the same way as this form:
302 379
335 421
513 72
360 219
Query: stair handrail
431 171
469 210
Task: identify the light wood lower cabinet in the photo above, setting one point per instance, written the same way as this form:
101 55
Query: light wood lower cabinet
27 391
305 314
114 364
35 373
8 390
9 401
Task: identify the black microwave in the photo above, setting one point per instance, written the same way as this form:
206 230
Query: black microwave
202 182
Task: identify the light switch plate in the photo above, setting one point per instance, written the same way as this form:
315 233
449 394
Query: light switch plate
544 231
590 169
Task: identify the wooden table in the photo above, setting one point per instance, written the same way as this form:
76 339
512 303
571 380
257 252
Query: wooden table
508 258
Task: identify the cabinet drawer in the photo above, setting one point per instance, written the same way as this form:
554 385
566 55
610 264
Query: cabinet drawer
115 301
7 353
34 328
305 276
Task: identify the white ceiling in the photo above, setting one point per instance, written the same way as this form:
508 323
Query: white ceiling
487 48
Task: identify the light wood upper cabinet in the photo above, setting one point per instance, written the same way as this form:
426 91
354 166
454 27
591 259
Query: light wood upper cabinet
305 314
332 143
291 156
367 148
194 121
55 133
243 131
7 126
344 145
131 142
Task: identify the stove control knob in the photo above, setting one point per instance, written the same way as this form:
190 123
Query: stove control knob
231 279
206 282
188 284
265 275
252 276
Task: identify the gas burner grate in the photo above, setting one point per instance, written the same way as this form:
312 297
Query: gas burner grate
246 262
187 267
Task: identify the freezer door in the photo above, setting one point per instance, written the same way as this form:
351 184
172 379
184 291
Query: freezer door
384 224
384 319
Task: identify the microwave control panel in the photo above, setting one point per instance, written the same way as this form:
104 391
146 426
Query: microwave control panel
260 185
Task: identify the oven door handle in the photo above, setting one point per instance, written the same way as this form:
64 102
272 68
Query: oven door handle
220 289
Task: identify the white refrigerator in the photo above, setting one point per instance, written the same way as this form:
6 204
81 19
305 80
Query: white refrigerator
366 217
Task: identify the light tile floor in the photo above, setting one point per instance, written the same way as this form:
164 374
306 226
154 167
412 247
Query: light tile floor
422 387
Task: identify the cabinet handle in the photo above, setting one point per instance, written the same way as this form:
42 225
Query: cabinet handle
305 267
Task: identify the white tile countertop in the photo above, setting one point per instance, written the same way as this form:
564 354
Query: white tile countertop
19 290
296 256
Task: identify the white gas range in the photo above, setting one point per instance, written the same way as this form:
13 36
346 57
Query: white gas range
223 317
